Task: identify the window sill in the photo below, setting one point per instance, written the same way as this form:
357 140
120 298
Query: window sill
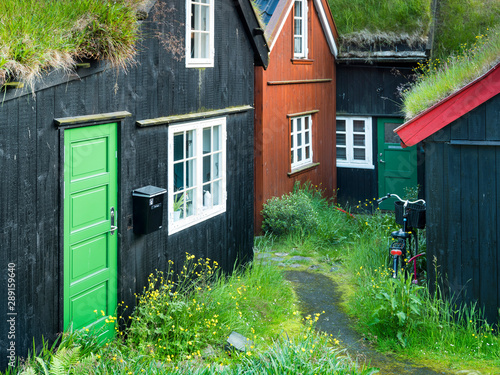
303 169
302 61
356 166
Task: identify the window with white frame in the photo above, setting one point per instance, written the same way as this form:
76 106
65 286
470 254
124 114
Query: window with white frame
300 29
200 33
301 141
354 142
196 172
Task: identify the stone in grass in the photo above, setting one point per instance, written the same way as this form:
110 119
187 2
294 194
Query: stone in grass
300 258
239 342
263 256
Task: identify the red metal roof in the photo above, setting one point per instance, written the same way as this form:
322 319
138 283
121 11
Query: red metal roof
451 108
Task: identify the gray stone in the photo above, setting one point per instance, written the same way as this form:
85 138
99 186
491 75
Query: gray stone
299 258
239 342
314 267
295 265
263 256
281 254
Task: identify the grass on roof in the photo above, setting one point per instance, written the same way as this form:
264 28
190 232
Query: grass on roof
438 79
460 21
356 18
36 35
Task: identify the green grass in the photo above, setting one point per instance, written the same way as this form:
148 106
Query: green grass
181 324
460 21
388 20
373 16
38 35
399 316
438 79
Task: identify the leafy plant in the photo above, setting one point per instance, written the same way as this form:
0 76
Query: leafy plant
292 213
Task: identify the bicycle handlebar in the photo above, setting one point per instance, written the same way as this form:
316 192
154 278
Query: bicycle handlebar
398 197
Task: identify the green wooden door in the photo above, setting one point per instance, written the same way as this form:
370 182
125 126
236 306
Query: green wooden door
397 166
90 243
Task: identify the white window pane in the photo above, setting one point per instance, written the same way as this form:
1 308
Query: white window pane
341 153
299 140
206 168
216 163
359 140
341 139
178 149
204 45
298 9
306 138
178 176
205 18
190 173
358 126
190 202
207 142
216 138
308 152
359 154
299 124
216 193
298 45
299 154
190 143
341 125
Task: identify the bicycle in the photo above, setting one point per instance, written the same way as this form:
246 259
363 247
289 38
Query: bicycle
411 216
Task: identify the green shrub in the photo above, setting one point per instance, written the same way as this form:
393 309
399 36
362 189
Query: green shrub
292 213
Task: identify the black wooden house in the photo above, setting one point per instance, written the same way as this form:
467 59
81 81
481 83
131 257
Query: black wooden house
461 136
73 151
370 160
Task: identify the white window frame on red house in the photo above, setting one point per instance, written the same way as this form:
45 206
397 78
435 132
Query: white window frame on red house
301 150
196 172
354 142
300 27
200 33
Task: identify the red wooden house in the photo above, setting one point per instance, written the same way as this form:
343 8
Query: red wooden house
295 100
461 138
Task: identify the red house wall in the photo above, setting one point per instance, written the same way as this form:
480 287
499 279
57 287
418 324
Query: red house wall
276 96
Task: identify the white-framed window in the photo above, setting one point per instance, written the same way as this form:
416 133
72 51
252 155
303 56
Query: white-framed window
301 141
199 33
300 29
196 172
354 142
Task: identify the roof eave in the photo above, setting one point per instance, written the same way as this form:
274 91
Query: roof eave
450 108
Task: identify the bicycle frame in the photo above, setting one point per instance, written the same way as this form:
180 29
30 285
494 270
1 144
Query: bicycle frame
401 239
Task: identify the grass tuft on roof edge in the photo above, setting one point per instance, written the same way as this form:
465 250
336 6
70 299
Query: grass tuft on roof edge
39 35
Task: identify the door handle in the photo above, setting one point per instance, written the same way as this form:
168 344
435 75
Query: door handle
381 161
112 218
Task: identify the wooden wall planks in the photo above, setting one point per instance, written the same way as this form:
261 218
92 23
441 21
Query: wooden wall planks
31 166
462 193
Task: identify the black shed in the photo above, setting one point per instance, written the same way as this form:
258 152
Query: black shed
72 154
461 136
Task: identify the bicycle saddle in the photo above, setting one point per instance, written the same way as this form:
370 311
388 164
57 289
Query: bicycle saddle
400 234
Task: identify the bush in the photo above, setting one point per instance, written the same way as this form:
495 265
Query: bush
292 213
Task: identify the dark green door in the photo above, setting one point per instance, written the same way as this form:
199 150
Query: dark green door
397 166
90 238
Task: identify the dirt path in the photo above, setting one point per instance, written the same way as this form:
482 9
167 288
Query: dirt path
319 293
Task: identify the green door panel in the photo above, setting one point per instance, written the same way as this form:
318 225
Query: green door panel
90 248
397 166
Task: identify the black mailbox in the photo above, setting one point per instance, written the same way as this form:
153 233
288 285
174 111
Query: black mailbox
148 209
